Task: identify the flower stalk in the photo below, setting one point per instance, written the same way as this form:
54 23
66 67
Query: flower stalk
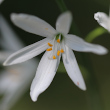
93 93
95 33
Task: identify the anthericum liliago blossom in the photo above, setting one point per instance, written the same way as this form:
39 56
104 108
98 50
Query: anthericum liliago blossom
57 43
16 79
103 19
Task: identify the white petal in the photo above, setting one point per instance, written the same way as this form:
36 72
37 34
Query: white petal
1 1
33 25
12 80
27 52
9 40
64 22
78 44
72 68
102 19
44 75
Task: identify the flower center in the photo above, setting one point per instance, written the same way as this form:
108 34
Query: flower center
56 47
59 38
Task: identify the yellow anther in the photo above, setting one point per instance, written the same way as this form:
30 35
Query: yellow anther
58 40
54 57
50 45
58 52
49 49
62 51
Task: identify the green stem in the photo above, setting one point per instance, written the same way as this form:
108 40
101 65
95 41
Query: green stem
61 5
93 95
95 33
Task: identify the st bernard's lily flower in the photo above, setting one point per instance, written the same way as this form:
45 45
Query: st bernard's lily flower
16 79
103 19
1 1
57 42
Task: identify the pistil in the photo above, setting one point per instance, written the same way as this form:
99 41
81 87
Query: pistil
58 40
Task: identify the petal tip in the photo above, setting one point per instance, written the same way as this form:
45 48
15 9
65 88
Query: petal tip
5 63
102 50
13 16
82 87
34 98
96 16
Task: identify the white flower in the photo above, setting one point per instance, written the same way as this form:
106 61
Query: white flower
14 80
103 19
57 43
1 1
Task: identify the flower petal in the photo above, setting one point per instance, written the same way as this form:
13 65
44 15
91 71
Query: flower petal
44 75
72 68
27 52
102 19
78 44
33 25
1 1
9 40
64 22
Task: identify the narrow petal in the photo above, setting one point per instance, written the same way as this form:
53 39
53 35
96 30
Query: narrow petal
64 22
27 52
72 68
14 82
44 75
1 1
102 19
78 44
33 25
8 36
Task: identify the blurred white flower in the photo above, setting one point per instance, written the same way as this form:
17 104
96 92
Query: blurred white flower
57 42
103 19
1 1
14 80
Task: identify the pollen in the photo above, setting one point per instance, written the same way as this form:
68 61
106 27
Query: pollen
62 51
46 28
49 49
50 45
58 52
58 40
54 57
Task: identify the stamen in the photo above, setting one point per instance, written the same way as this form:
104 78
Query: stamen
50 45
58 52
54 57
49 49
58 40
62 51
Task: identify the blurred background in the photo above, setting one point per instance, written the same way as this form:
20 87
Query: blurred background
62 94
